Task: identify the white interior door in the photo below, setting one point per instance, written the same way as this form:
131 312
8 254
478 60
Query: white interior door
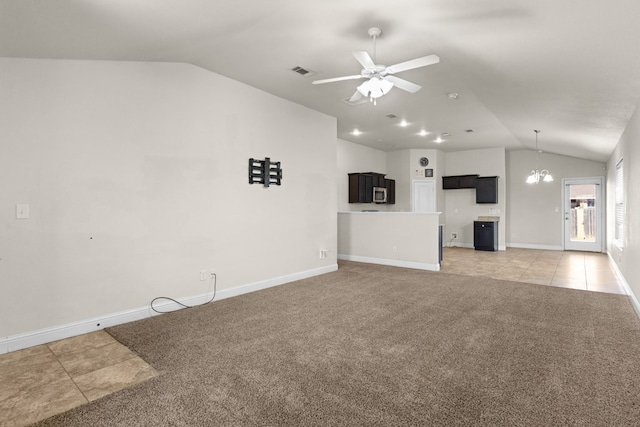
583 218
424 196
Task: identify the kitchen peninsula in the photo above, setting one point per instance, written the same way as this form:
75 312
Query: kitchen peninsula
402 239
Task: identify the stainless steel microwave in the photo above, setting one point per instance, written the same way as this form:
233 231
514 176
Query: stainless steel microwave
379 195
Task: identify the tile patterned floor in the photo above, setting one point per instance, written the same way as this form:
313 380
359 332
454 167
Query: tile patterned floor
568 269
41 381
48 379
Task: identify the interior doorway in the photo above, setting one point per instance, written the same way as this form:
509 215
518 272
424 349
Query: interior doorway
583 214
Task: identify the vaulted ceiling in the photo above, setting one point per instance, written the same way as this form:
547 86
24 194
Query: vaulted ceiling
570 68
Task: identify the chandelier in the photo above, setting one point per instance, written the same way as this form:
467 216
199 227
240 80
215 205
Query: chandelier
536 175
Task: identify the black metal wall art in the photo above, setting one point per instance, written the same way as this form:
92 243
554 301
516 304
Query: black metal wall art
264 172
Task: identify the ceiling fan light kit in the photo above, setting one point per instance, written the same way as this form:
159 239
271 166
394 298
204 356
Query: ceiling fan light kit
375 87
380 78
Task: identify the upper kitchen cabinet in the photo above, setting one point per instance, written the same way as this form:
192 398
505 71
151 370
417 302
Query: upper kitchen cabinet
487 189
362 185
459 181
390 184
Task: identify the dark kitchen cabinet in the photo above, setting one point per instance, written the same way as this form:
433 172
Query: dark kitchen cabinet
455 182
361 186
390 184
487 189
485 235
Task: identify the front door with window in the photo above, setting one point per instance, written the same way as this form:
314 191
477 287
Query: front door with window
583 219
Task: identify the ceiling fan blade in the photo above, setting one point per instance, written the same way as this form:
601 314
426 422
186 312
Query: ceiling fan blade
414 63
403 84
336 79
364 59
356 97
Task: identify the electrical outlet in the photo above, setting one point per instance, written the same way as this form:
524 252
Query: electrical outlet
22 211
203 274
454 235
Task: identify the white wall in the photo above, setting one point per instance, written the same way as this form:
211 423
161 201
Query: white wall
401 165
136 177
460 205
398 168
403 239
535 210
357 158
417 173
626 258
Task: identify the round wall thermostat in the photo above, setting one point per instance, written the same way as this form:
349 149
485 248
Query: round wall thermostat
424 161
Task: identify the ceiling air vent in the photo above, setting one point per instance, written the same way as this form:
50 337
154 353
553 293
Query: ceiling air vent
391 116
303 71
469 130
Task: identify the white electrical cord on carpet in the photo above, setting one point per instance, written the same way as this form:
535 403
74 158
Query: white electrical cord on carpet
214 279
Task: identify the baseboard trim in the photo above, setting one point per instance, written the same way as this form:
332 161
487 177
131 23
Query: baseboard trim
534 246
391 262
265 284
55 333
471 246
460 245
634 301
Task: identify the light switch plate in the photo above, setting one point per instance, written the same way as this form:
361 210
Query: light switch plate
22 211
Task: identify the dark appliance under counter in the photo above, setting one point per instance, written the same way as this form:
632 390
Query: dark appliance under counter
485 235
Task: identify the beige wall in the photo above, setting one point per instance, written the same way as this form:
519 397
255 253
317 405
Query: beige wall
357 158
417 173
460 205
627 258
535 210
403 239
398 167
136 177
401 165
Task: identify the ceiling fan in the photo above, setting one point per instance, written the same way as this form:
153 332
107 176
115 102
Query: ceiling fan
380 78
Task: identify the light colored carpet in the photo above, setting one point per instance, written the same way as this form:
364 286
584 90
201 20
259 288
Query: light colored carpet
374 345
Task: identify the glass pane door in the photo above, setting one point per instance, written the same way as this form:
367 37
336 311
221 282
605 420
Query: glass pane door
583 214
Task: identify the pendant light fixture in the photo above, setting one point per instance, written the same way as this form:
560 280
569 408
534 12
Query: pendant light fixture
536 174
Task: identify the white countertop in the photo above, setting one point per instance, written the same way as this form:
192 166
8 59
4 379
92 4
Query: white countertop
389 213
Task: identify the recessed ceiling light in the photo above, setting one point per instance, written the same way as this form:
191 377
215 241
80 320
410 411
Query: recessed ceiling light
423 133
438 140
356 132
452 95
404 123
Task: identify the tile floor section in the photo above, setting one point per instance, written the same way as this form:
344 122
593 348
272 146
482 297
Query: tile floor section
41 381
588 271
48 379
